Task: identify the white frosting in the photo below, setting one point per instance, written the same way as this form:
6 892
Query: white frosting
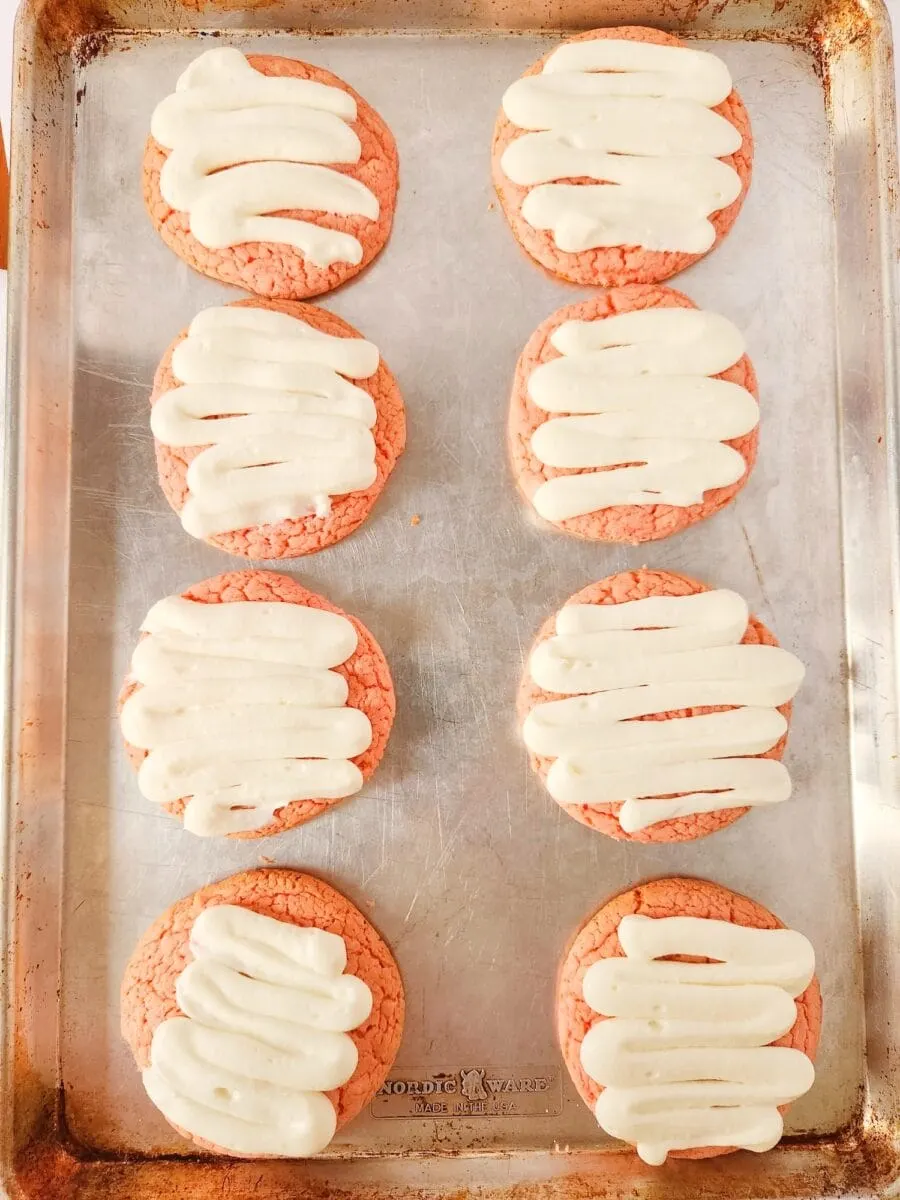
685 1061
267 1010
244 145
239 710
638 384
615 662
270 398
636 117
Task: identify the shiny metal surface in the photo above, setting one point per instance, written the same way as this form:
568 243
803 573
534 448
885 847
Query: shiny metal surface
473 875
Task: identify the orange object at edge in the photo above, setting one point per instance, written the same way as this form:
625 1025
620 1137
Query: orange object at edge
4 207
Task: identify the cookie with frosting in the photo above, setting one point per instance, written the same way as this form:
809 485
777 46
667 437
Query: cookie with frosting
633 415
253 705
622 156
263 1012
688 1018
277 426
270 174
656 709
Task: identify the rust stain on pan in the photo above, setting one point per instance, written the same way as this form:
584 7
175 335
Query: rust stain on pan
845 26
90 46
834 30
49 1170
60 23
213 6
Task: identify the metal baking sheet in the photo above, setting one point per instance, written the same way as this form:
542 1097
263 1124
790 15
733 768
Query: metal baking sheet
473 875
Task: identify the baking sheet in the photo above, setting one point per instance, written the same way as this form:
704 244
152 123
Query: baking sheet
473 875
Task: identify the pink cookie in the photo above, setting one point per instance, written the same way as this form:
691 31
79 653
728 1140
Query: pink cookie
615 265
625 522
277 269
148 987
617 589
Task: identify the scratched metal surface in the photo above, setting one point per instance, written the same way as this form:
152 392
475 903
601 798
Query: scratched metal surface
473 875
